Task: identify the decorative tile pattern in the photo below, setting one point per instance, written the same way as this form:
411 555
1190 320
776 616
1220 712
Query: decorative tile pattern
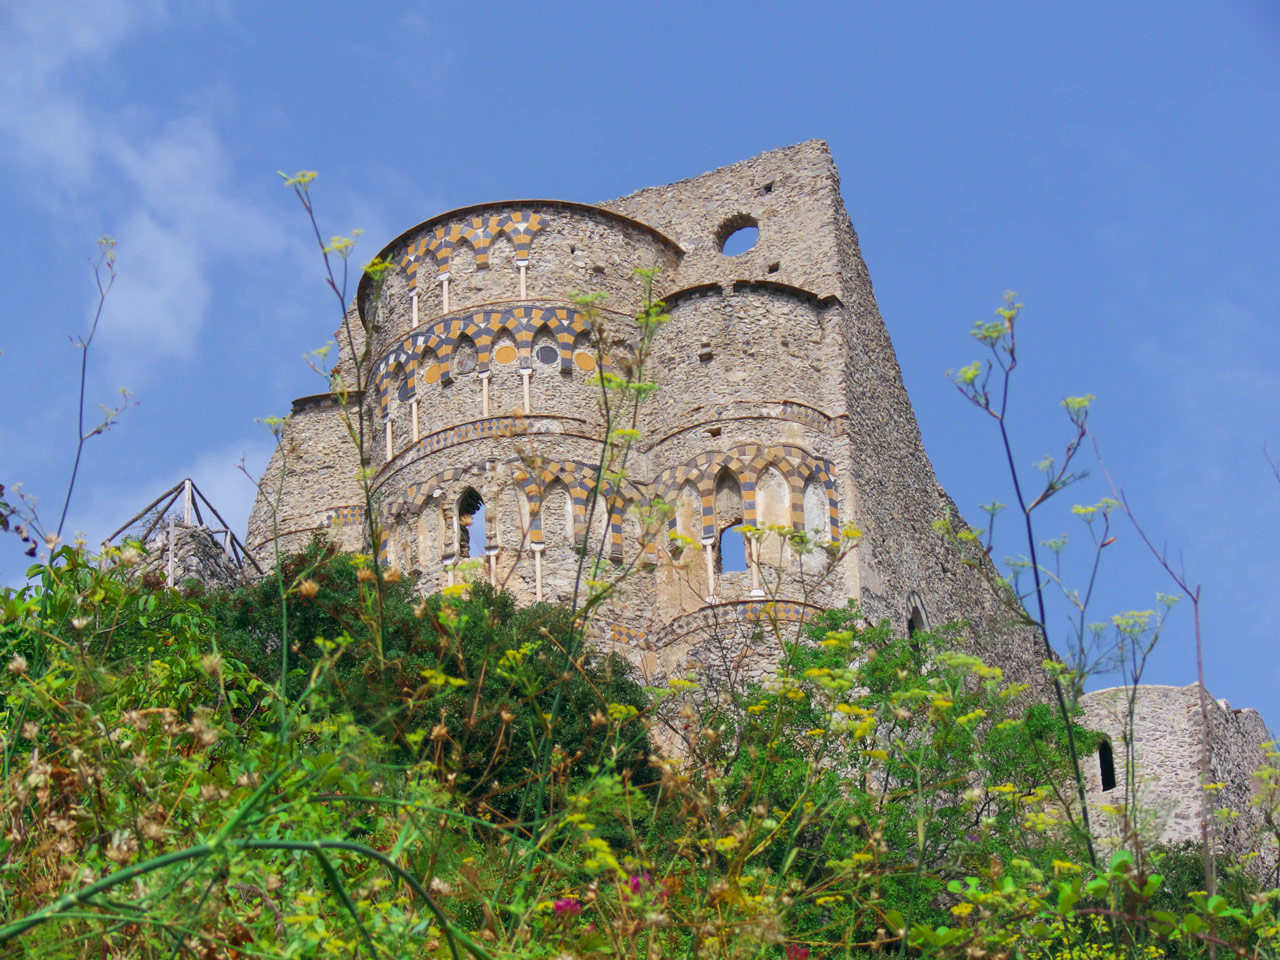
479 232
425 356
620 633
746 463
344 516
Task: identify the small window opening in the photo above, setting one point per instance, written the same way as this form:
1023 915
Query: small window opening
471 536
774 267
572 249
740 241
767 188
915 626
1107 765
733 550
917 622
738 234
713 431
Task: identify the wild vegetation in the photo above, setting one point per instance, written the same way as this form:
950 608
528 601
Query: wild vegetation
326 764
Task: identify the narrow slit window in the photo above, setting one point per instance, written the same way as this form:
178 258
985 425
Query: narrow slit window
1107 765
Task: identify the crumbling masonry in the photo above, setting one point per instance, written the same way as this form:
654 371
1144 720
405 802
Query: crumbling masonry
779 402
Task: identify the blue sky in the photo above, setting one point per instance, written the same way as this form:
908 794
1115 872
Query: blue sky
1115 163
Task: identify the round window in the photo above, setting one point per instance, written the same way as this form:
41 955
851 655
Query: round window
466 361
547 354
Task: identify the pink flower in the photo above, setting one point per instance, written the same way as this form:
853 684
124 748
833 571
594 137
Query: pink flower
567 907
797 952
638 881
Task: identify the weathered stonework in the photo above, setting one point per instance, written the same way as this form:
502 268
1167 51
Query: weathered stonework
1167 727
197 555
779 401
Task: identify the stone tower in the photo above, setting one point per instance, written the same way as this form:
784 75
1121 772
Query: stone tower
779 401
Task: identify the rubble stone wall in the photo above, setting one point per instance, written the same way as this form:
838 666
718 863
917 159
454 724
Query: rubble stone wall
1164 743
779 402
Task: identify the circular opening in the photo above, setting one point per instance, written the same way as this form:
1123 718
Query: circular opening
547 354
738 234
740 241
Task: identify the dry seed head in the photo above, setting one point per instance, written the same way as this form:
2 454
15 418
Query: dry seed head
308 588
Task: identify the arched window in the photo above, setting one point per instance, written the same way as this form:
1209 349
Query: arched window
917 622
471 532
728 516
1106 765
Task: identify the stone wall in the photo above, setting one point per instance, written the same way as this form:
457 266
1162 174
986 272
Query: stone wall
1165 739
197 555
779 402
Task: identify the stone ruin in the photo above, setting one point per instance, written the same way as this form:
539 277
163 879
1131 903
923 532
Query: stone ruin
779 403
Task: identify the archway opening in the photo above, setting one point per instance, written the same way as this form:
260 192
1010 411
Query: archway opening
471 530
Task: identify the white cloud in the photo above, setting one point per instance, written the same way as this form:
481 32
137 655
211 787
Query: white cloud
182 215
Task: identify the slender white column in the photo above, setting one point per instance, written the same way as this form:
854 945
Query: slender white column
389 451
756 592
526 374
523 267
414 300
414 408
444 288
484 391
708 551
537 570
493 567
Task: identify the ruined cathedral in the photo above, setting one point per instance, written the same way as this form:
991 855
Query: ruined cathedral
779 402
